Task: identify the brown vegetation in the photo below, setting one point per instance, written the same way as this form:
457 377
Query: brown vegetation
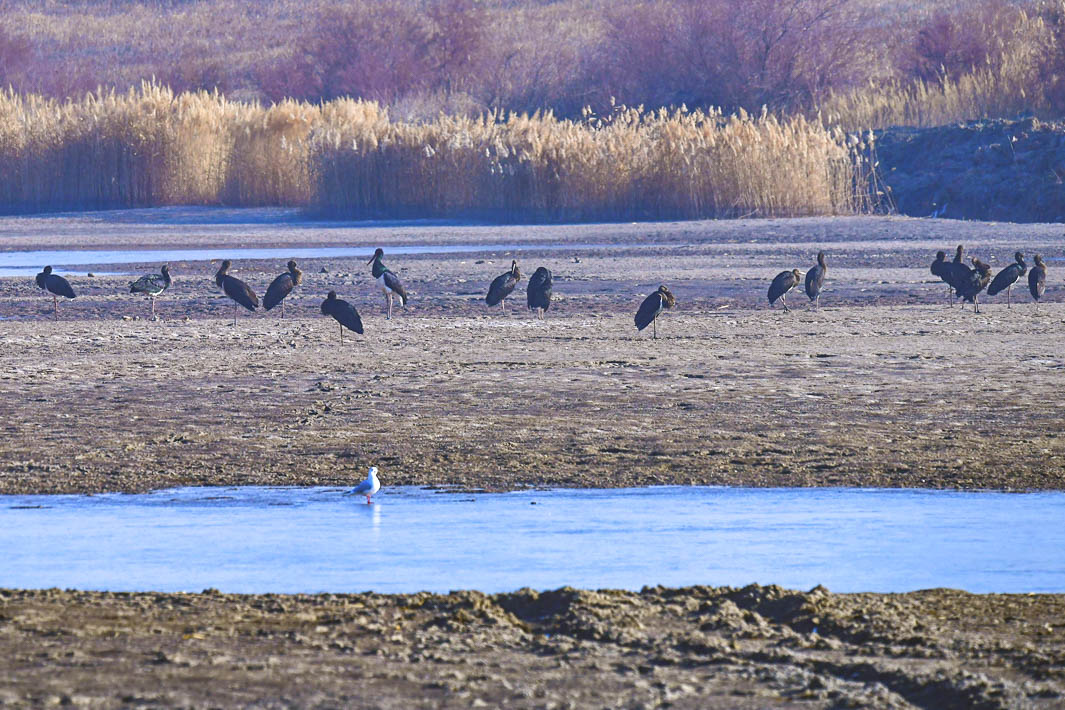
471 58
152 147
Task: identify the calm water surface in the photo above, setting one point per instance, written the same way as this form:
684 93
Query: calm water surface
318 540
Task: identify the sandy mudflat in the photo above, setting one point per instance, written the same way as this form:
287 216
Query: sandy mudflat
883 386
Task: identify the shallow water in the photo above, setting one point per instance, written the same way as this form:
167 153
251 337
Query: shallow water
29 263
319 540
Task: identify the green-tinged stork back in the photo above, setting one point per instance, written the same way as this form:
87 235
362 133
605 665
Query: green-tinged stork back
784 282
343 313
815 279
387 280
281 287
502 286
1007 277
152 284
236 289
652 306
1037 279
539 292
55 285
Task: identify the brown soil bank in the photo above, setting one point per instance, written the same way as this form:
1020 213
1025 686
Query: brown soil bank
883 386
988 170
698 647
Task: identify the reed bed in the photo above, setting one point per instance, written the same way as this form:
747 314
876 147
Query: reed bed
1010 90
348 158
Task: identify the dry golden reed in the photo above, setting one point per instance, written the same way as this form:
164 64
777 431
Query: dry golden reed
348 158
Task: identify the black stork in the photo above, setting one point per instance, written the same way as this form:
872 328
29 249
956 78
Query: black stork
977 280
941 268
784 282
1007 277
1037 279
958 272
815 279
539 291
343 313
236 289
502 285
281 287
55 285
651 307
152 284
388 281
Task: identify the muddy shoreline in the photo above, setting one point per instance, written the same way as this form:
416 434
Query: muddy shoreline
695 647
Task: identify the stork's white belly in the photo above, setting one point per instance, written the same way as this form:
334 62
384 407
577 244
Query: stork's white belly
381 283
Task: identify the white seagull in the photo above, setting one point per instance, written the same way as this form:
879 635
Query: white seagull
368 487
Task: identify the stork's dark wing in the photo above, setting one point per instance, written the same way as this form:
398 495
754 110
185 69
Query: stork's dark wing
958 274
240 292
539 292
149 283
1037 282
59 286
815 280
784 282
1004 279
396 286
500 288
344 313
281 287
649 310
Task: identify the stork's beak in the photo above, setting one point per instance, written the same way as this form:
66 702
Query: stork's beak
371 259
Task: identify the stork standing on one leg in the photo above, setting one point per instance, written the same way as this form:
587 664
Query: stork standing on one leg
652 306
343 313
1007 277
502 285
152 284
55 285
388 281
539 291
236 289
281 287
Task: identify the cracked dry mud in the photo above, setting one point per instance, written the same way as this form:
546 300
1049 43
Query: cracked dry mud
883 386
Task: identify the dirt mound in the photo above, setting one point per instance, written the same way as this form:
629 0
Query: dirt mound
996 170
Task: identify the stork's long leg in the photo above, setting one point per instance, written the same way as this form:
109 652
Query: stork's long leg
341 334
282 308
503 305
654 328
55 306
1008 289
784 300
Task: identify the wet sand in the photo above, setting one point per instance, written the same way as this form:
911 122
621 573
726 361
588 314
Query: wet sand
884 385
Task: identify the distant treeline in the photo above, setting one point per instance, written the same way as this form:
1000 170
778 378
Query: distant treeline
150 147
854 60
